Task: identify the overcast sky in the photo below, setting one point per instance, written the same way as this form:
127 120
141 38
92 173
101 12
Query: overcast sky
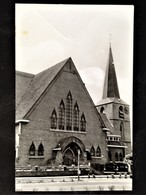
47 34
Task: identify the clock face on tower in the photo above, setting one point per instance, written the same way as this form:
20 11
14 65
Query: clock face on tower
126 110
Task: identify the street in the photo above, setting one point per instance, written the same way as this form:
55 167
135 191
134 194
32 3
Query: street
71 183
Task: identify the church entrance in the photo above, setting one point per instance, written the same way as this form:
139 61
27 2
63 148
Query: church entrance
70 155
68 158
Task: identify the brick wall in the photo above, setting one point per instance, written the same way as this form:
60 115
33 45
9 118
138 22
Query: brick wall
38 129
112 112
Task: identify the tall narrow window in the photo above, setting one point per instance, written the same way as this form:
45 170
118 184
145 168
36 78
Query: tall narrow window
116 156
54 120
121 156
109 155
122 130
121 112
41 150
76 117
62 115
92 151
102 109
98 152
32 150
83 123
69 111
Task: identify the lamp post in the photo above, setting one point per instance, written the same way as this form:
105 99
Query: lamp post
78 164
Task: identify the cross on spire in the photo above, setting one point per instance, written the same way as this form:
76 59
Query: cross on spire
110 39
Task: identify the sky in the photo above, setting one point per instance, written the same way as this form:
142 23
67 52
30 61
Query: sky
47 34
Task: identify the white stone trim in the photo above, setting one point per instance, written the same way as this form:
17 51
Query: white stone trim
105 129
116 146
57 149
22 121
35 157
68 131
111 135
96 157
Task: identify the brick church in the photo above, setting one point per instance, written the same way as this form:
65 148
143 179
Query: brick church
56 118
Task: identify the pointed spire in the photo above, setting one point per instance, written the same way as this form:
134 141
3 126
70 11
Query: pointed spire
110 82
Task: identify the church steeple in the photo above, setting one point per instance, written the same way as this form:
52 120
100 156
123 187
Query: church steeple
110 82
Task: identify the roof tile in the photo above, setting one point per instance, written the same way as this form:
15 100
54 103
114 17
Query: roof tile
36 88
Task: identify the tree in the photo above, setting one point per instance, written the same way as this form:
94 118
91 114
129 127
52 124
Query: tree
129 161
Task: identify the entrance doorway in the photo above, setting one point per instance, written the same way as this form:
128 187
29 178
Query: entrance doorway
70 156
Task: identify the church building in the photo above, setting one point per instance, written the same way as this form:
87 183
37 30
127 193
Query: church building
56 119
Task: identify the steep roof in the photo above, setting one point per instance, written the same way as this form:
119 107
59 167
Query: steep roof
110 83
23 80
111 100
110 88
107 122
36 88
116 143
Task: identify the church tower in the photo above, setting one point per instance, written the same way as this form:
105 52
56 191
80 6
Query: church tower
115 109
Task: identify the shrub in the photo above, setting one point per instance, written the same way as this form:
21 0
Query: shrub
86 188
124 188
35 189
101 188
111 188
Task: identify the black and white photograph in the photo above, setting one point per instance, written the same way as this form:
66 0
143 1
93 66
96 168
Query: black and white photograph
74 80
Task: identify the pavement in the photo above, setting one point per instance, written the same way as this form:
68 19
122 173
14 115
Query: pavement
71 183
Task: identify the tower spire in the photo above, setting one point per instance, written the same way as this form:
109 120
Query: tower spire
110 82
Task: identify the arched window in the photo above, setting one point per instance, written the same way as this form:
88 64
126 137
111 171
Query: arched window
98 152
109 155
121 112
116 156
69 111
76 117
32 150
41 150
122 130
62 115
102 109
92 151
83 123
54 120
121 156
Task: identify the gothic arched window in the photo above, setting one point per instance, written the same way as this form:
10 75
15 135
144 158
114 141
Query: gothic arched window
116 156
62 115
122 130
121 156
76 117
121 112
92 151
83 123
109 155
98 152
32 150
69 111
102 109
41 150
54 120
